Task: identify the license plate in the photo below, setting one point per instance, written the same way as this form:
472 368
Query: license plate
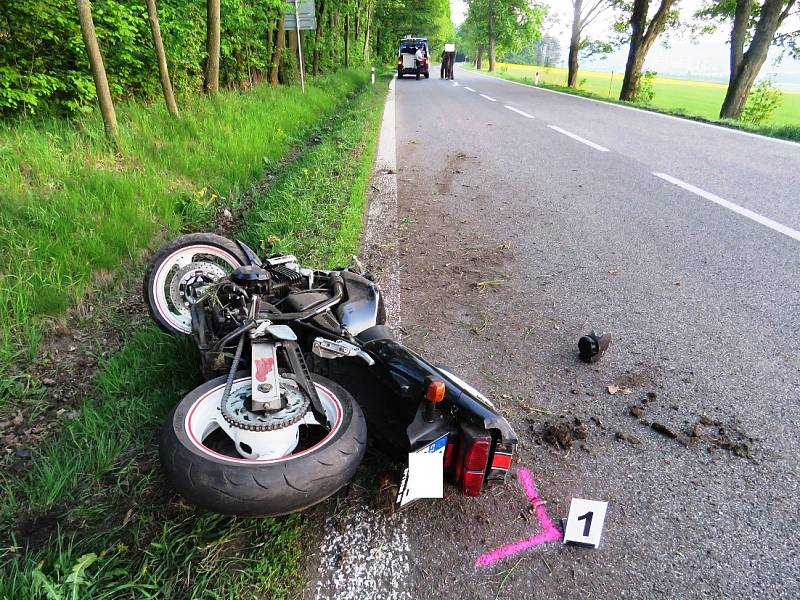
424 475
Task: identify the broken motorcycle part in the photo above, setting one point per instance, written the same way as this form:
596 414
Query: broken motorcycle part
592 346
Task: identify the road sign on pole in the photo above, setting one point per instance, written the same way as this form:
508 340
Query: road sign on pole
299 15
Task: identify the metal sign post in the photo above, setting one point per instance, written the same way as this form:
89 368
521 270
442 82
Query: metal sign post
302 17
300 47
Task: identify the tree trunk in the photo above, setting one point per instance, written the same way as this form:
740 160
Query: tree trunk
479 57
745 66
276 54
492 39
642 38
318 38
347 40
741 22
98 69
366 31
163 71
574 44
293 75
212 45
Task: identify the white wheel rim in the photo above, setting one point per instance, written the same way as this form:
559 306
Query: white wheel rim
179 317
204 417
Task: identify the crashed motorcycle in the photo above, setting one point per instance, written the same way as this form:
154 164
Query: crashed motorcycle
299 366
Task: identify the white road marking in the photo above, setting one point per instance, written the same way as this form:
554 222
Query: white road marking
489 98
455 84
519 112
579 138
639 110
469 89
364 554
767 222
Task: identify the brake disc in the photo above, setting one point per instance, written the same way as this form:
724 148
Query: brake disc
188 283
235 410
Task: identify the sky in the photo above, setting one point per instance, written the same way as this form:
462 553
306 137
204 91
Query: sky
703 57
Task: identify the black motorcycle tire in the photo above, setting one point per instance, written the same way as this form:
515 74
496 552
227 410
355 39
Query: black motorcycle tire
180 243
417 76
262 489
427 75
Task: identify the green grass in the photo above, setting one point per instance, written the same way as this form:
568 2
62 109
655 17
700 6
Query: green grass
71 208
94 496
315 210
97 490
692 99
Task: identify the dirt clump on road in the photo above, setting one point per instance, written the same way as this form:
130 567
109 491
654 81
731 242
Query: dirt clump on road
706 430
564 431
624 436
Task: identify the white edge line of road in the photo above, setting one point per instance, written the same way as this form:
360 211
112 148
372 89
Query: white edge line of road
754 216
489 98
469 89
455 84
639 110
364 556
519 112
579 138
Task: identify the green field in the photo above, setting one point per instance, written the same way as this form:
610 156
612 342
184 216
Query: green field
695 98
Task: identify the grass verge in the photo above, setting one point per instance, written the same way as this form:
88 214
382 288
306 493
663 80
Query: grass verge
90 516
679 98
74 211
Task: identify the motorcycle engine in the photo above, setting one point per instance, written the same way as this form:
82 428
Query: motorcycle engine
253 279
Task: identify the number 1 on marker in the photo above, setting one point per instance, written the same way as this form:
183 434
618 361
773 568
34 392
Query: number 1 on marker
585 522
588 526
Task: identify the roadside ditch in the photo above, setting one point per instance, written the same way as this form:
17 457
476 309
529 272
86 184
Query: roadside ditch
84 507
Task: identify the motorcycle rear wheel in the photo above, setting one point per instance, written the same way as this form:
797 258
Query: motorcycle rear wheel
228 484
178 271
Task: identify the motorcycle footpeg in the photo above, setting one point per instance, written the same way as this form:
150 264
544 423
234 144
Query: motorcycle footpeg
325 348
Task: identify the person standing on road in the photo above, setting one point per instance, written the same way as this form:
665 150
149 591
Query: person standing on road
448 60
444 72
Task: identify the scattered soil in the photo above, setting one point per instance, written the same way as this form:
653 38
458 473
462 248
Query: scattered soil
623 436
711 432
564 432
664 430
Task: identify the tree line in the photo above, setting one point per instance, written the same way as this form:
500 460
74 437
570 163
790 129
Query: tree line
754 26
60 56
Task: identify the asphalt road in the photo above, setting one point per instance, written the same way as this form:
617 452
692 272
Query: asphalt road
516 238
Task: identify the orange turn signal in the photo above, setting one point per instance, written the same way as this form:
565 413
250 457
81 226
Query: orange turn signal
435 391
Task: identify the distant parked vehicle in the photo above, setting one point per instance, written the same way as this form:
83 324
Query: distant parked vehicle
408 63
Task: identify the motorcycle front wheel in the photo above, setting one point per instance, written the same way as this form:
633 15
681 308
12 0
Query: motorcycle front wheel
179 273
203 465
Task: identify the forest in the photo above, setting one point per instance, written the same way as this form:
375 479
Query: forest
44 67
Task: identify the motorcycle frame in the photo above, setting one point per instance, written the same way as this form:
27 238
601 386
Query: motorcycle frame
398 378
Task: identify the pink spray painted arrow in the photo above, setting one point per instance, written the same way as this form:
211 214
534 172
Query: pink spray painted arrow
549 533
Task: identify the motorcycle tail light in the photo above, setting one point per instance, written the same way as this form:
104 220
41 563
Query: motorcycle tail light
477 455
472 484
473 459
